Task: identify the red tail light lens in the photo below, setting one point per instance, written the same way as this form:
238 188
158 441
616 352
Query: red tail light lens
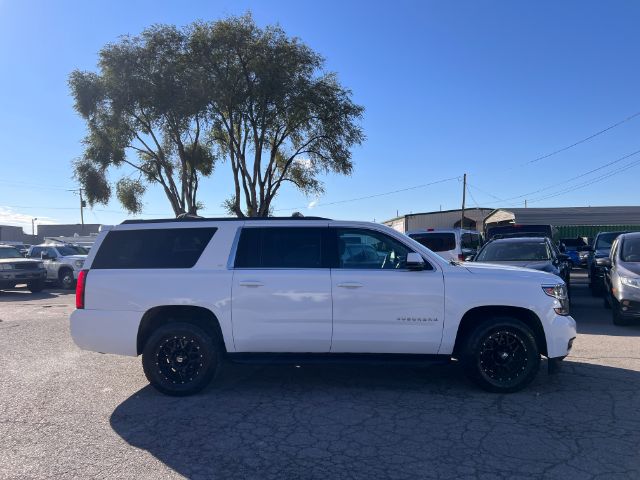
461 257
82 280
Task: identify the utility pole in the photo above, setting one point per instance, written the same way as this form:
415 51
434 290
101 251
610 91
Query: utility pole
525 203
82 204
33 228
464 197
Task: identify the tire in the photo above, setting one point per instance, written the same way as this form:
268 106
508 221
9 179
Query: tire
617 318
65 279
487 350
36 287
164 353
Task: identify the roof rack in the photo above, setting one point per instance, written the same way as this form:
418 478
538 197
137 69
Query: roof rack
223 219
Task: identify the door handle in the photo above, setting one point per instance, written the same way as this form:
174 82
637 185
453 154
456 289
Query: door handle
350 285
250 283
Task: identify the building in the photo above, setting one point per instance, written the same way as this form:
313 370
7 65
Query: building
67 230
473 220
12 234
569 221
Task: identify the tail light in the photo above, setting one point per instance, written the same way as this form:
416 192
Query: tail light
461 257
80 284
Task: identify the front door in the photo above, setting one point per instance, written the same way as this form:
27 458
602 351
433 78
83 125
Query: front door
281 296
378 305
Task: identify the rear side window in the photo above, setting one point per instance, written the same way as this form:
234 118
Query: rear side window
281 247
436 241
153 248
470 241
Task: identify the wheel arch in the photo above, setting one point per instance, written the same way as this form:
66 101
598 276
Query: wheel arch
478 315
164 314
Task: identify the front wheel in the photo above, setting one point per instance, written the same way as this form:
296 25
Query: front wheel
36 287
180 359
501 355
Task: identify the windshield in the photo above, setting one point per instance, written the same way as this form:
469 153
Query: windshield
435 241
9 253
514 252
630 250
67 250
604 240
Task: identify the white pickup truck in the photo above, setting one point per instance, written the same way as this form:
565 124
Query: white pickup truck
188 293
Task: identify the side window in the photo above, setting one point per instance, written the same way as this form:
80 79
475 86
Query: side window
152 248
470 241
368 249
281 247
52 252
35 252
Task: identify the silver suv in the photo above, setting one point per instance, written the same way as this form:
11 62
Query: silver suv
622 279
62 262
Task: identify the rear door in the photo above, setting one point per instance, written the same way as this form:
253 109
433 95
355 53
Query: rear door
380 306
281 294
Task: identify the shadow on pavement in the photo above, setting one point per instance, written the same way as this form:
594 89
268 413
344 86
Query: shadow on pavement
391 422
24 295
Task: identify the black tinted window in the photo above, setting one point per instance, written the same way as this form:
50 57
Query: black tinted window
153 248
470 241
280 247
436 242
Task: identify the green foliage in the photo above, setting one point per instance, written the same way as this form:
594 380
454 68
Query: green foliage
145 109
129 192
170 102
274 113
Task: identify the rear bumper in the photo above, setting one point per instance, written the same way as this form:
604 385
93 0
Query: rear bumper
106 331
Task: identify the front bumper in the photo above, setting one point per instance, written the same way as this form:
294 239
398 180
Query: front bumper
560 334
13 277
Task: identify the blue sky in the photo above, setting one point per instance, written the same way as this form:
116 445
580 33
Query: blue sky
449 87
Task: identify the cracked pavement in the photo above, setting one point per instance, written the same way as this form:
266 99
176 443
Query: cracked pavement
66 413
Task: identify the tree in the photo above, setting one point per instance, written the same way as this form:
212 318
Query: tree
273 112
146 108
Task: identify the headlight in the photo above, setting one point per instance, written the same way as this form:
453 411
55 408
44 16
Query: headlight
630 281
39 265
560 293
6 266
79 264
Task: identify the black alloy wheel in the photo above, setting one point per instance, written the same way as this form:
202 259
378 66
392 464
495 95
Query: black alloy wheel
502 355
180 359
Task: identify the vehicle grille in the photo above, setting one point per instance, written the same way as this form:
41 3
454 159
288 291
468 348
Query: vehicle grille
25 266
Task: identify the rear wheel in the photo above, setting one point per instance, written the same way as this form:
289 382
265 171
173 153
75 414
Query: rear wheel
501 355
180 359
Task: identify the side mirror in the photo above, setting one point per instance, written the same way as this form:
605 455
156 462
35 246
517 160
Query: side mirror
44 256
415 261
469 258
604 262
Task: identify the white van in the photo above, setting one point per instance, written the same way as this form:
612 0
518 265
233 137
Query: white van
452 244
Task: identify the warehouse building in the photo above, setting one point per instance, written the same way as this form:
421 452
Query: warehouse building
569 221
473 220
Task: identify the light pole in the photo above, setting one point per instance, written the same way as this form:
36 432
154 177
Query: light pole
33 229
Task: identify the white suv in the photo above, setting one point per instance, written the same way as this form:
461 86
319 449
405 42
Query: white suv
188 293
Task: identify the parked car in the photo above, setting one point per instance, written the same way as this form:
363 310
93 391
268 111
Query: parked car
15 269
62 262
188 293
572 248
598 253
537 253
517 230
622 279
453 244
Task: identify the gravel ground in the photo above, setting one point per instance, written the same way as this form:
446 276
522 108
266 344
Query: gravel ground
66 413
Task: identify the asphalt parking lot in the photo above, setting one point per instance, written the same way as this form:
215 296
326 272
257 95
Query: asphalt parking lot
66 413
